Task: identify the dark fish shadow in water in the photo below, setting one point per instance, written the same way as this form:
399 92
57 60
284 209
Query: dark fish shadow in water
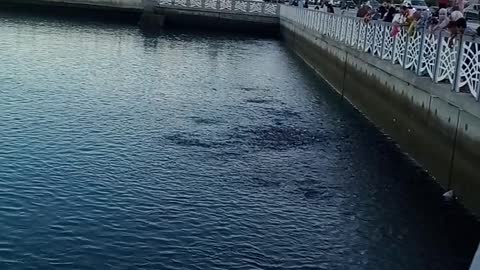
258 100
265 183
204 121
182 139
251 89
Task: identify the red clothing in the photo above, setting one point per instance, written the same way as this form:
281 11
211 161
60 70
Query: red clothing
443 3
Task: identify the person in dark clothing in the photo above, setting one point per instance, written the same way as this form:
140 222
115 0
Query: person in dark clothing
330 8
383 9
362 11
443 4
390 14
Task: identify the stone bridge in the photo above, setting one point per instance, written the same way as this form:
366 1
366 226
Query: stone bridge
234 15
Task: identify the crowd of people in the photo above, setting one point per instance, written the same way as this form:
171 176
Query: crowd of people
445 18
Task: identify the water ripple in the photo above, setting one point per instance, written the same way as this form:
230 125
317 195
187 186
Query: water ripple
120 150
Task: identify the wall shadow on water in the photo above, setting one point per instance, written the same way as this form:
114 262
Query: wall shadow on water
411 190
76 14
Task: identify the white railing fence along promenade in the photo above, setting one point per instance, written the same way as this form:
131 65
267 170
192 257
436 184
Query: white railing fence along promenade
424 53
226 6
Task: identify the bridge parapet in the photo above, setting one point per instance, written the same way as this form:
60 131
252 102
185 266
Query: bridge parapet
248 7
426 54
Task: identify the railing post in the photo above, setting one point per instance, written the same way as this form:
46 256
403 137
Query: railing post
346 30
358 34
405 51
203 3
334 26
420 53
325 24
248 6
384 36
477 91
394 47
458 66
263 7
373 45
365 37
340 26
173 2
310 20
233 4
304 18
351 32
218 4
436 67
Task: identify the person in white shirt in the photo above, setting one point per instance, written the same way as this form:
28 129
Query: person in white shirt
460 4
456 14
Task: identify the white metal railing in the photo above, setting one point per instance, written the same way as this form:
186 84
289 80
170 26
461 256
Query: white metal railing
228 6
426 54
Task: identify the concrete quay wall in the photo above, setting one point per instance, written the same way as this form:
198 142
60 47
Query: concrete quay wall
436 127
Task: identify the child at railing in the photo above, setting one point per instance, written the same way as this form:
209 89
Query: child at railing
398 21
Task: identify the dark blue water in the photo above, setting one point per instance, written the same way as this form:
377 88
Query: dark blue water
120 150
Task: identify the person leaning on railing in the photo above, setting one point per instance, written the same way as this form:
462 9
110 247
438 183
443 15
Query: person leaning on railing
390 13
400 19
457 22
442 22
459 28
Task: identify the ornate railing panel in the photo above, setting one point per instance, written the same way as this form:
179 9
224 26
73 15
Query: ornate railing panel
378 39
362 35
387 42
412 50
195 3
470 68
424 53
232 6
427 63
447 59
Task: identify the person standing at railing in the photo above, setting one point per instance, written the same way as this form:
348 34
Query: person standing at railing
330 7
456 19
390 13
382 10
399 20
363 11
443 21
458 29
460 4
443 4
